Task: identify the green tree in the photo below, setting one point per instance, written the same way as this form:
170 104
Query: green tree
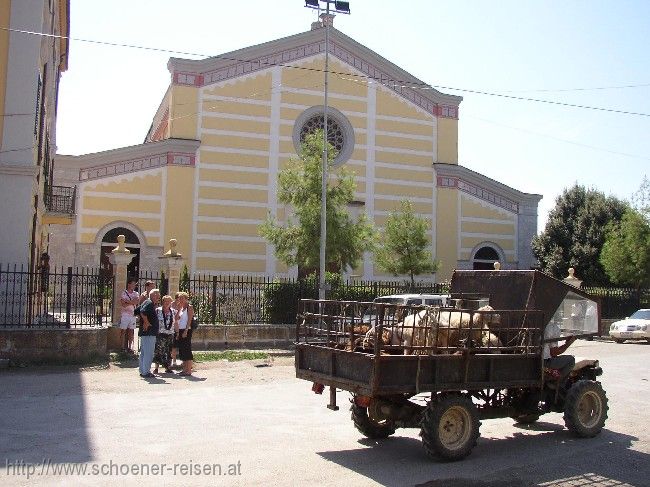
184 282
641 199
405 247
297 241
626 252
575 234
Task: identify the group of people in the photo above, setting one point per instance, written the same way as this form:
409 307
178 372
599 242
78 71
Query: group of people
165 328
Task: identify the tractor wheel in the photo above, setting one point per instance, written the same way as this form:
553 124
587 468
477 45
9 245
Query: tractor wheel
450 427
585 408
368 426
529 418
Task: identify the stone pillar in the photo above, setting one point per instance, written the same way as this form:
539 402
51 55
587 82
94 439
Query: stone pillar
172 264
572 279
120 257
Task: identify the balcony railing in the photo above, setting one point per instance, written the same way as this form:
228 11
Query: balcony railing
61 199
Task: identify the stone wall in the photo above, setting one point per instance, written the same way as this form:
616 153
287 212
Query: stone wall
220 337
40 344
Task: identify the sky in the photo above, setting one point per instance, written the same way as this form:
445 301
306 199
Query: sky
593 53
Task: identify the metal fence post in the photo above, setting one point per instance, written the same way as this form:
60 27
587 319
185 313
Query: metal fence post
213 308
68 298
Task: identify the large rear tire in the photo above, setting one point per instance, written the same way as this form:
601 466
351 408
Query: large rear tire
585 408
450 427
368 427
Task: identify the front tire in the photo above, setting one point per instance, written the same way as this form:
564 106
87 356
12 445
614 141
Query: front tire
585 408
369 427
450 427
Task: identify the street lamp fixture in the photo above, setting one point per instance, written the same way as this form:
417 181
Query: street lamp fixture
340 7
344 8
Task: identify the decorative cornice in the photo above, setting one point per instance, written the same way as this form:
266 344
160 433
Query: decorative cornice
203 72
478 192
177 152
188 79
484 188
478 179
135 165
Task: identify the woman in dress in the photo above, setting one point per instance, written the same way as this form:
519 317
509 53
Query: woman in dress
162 354
184 314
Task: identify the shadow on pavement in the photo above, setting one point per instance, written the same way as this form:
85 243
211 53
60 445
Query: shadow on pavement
43 418
544 456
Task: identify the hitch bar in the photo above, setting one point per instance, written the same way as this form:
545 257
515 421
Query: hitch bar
332 405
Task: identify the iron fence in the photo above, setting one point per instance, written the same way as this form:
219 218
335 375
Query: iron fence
54 298
249 299
67 297
619 302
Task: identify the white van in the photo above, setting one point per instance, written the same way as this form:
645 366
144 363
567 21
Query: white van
416 299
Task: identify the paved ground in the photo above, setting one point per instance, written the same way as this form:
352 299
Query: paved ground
261 426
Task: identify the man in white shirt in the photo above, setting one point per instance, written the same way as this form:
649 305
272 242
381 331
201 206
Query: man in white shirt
552 353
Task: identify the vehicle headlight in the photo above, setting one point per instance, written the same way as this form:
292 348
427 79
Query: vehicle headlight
644 327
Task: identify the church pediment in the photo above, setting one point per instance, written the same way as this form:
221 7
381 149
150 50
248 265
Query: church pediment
290 50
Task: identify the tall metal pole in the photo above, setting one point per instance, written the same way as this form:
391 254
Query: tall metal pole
323 208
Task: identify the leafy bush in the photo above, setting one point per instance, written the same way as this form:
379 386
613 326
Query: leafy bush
164 284
202 305
184 284
281 300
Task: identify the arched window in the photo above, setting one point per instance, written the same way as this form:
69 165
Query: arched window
111 237
484 258
109 242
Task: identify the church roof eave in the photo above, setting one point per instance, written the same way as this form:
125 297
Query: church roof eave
473 177
132 159
391 71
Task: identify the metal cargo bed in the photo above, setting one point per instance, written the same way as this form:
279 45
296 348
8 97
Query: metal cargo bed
378 349
374 375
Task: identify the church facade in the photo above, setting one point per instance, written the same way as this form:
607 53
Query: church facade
207 172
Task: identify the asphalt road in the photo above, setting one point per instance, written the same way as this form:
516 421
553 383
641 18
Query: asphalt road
239 424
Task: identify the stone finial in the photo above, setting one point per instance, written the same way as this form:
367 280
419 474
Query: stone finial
497 266
120 249
572 279
172 248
